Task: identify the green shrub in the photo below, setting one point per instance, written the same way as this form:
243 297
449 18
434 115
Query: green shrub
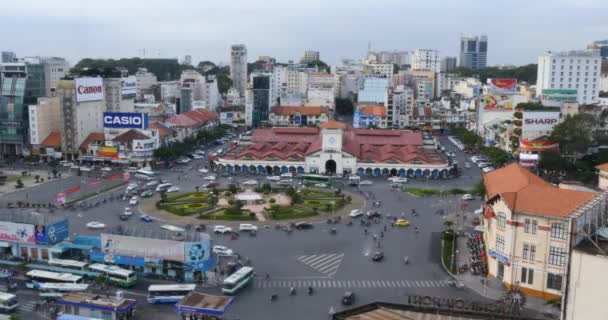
233 211
266 193
457 191
231 201
272 200
227 194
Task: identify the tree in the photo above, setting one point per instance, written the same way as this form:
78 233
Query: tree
553 161
319 64
19 184
344 106
525 73
574 134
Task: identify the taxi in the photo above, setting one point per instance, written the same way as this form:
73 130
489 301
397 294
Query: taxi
402 223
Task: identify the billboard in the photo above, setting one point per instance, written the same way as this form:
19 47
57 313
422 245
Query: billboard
494 102
89 89
555 97
357 119
143 247
108 152
17 232
53 233
537 145
103 257
129 87
123 120
503 86
198 254
539 121
143 144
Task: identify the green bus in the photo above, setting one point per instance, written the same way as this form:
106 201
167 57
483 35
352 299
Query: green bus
315 178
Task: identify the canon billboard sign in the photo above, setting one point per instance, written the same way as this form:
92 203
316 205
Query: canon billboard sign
539 121
89 89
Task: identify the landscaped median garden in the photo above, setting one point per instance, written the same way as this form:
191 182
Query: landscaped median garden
308 203
448 254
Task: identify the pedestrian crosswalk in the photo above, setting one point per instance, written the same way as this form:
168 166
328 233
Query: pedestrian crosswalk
29 306
325 263
327 283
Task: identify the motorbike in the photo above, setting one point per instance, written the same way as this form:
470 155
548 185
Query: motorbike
274 297
406 260
292 291
333 231
309 290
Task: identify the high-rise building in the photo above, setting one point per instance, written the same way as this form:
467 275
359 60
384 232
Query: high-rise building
145 81
44 118
448 64
188 60
13 112
473 52
8 57
310 56
425 59
238 68
602 45
574 70
120 93
35 85
259 99
54 69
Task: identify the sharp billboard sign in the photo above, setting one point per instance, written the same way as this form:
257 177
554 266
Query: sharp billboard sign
89 89
539 121
125 120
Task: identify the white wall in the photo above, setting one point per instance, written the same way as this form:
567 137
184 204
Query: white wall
587 286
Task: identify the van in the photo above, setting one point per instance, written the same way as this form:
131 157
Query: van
163 187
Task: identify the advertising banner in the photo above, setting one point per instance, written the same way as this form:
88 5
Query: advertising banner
492 102
60 199
357 119
53 233
89 89
17 232
143 145
539 121
73 189
537 145
503 86
555 97
129 87
103 257
122 120
143 247
108 152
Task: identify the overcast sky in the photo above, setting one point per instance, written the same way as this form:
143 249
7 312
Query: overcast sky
518 30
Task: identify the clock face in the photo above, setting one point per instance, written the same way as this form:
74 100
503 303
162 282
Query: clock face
332 140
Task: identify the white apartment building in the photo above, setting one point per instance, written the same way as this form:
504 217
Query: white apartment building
578 70
385 69
168 90
115 102
238 68
468 87
145 81
426 59
44 118
310 56
54 69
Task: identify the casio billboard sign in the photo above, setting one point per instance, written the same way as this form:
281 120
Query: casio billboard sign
125 120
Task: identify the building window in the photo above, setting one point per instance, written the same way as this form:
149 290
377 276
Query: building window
534 226
557 256
558 231
532 252
527 275
554 281
500 243
502 220
527 226
526 254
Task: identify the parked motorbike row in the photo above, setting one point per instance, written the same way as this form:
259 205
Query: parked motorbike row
478 261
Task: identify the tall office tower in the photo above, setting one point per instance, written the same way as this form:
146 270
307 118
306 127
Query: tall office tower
425 59
238 68
448 64
474 52
13 112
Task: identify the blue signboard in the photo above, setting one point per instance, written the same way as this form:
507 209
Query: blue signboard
53 233
198 255
297 120
357 119
125 120
99 256
499 256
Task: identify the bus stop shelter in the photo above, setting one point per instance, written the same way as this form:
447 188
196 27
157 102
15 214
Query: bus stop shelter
200 306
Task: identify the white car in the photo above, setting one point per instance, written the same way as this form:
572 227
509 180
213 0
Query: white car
210 178
285 182
400 180
203 170
106 169
85 169
95 225
222 229
273 178
365 183
64 163
152 183
127 212
172 228
133 201
355 213
287 175
222 251
198 156
487 169
173 189
184 160
250 183
320 185
247 227
467 196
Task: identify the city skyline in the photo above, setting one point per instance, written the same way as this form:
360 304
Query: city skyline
117 29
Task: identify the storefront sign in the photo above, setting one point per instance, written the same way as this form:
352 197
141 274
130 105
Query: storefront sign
539 121
53 233
499 256
129 87
102 257
143 145
143 247
89 89
17 232
555 97
125 120
108 152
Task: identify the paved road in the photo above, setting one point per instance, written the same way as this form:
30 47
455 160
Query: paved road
332 263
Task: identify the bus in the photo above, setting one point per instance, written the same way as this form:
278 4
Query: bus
145 174
315 178
237 280
37 277
68 264
8 302
119 276
168 293
62 287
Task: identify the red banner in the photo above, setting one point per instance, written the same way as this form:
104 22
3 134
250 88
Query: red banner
114 177
72 190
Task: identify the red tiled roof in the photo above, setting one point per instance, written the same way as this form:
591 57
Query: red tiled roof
53 140
93 136
376 110
602 167
129 136
306 111
163 131
332 125
192 118
181 120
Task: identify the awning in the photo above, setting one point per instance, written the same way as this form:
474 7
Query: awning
64 246
4 244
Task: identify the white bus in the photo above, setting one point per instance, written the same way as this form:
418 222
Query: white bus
8 302
63 287
37 277
145 174
168 293
237 280
70 264
119 276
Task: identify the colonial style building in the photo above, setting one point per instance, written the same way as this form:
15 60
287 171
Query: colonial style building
298 116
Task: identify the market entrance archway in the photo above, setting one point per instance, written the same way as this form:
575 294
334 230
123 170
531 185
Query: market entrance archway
330 167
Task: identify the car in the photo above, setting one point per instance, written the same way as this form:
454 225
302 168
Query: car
95 225
348 298
210 178
285 182
400 180
65 163
222 229
273 178
86 169
373 214
173 189
146 218
133 201
172 228
127 211
198 156
303 225
210 185
287 175
378 256
467 196
365 183
247 227
222 251
467 165
131 187
183 160
487 169
402 223
203 170
355 213
152 183
320 185
106 169
123 217
146 194
250 183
